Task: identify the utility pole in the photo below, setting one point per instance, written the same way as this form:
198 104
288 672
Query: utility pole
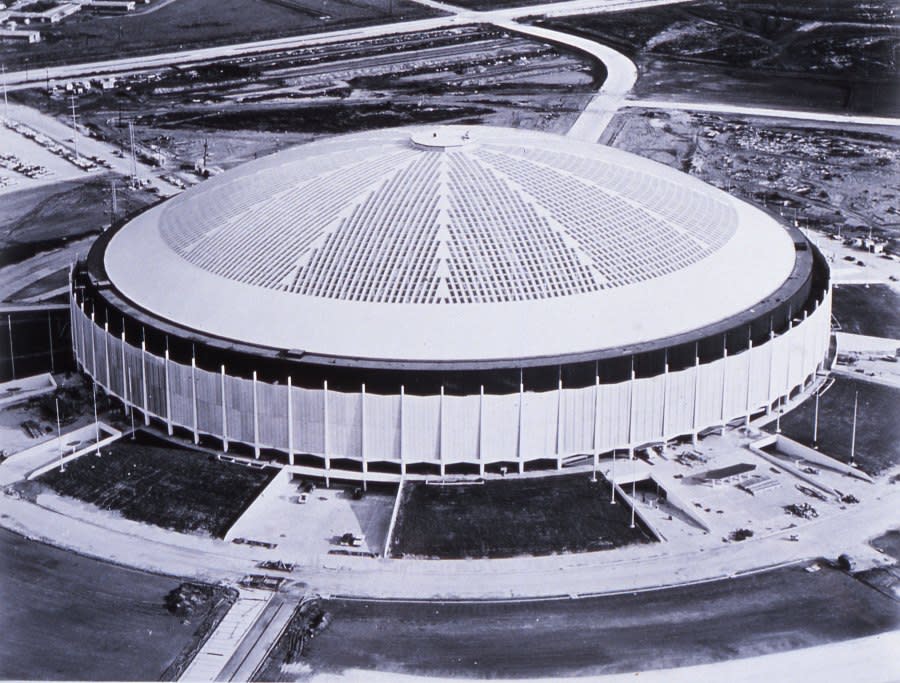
5 100
74 127
133 157
114 205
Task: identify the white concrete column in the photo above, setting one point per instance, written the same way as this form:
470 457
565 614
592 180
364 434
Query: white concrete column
520 447
93 348
722 413
771 372
441 452
787 365
224 412
72 317
126 398
559 423
696 413
168 396
109 382
144 382
325 433
481 430
362 435
631 428
665 400
83 341
596 438
402 449
749 407
290 420
255 419
195 421
803 351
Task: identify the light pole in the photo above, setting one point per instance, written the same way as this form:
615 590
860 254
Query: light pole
816 421
612 492
96 420
633 487
853 431
131 410
62 467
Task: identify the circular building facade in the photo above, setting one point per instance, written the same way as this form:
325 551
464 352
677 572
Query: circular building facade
425 300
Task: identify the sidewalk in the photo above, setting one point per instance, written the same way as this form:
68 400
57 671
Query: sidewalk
221 645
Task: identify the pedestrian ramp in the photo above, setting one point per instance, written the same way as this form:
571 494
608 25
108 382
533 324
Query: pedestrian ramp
225 640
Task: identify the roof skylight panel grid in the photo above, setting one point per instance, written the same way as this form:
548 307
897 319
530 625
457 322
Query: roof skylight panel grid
190 219
594 218
378 255
516 253
262 248
708 218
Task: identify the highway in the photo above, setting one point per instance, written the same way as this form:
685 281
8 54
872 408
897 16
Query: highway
620 78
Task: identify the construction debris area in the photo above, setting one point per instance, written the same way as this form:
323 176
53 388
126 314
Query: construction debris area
197 120
837 179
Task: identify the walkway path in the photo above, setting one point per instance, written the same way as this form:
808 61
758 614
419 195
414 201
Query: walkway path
262 637
221 645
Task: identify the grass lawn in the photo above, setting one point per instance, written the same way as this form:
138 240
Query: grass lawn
873 310
505 518
169 487
877 428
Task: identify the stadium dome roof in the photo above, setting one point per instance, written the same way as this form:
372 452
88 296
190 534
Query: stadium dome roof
449 244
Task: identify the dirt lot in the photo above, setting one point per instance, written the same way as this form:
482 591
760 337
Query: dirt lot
236 110
513 517
872 310
831 178
771 612
877 431
46 217
184 24
172 488
838 55
67 617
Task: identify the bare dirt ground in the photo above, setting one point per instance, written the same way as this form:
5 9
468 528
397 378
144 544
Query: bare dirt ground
46 217
828 177
753 615
67 617
186 24
839 55
236 110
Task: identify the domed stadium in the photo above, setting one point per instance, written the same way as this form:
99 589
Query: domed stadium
425 301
